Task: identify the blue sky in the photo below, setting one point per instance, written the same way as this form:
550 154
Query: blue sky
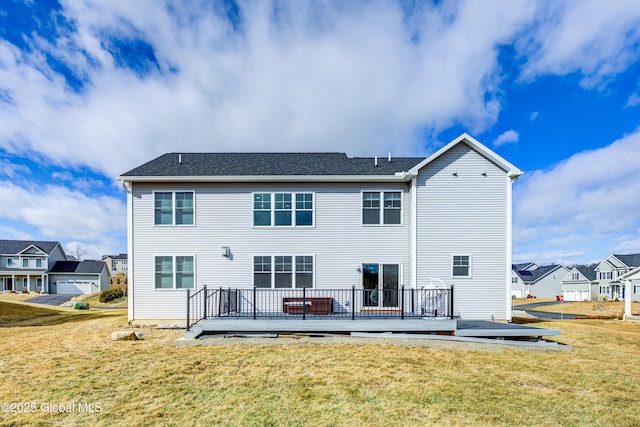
91 89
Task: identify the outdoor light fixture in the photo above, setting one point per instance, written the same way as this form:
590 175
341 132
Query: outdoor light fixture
225 251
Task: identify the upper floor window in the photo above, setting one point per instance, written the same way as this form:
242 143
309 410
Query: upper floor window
381 207
9 262
514 280
575 276
38 262
282 209
173 208
25 262
604 275
461 266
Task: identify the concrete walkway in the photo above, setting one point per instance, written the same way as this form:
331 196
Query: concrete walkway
536 309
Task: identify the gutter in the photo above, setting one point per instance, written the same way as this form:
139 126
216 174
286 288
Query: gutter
403 176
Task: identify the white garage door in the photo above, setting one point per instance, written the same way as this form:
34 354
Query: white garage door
576 295
74 287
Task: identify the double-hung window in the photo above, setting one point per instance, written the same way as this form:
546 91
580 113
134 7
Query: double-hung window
25 262
173 208
174 272
460 266
282 209
38 262
9 262
382 207
283 271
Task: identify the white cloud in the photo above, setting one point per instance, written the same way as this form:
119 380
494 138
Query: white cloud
586 201
533 115
508 137
324 76
60 213
595 38
633 100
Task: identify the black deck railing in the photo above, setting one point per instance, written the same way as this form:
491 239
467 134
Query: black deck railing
304 303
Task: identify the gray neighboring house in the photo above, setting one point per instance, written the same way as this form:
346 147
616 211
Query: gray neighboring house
116 263
518 288
608 273
578 284
321 221
544 281
25 264
79 277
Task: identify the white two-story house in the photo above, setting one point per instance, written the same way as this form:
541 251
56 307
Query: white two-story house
608 284
321 221
25 265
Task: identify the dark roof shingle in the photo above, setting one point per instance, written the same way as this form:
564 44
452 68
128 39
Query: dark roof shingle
78 267
270 164
9 247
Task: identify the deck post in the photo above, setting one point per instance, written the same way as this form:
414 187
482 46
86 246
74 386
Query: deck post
413 300
402 303
304 303
353 303
220 302
254 302
451 304
188 304
204 289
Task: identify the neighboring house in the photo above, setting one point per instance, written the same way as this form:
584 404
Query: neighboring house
25 264
321 221
608 273
79 277
31 266
578 284
116 263
544 281
518 289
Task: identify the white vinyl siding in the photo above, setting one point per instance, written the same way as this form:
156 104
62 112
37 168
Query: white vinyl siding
462 208
224 218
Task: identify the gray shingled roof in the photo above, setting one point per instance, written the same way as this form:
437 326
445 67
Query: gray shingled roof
587 271
270 164
631 260
9 247
533 276
78 267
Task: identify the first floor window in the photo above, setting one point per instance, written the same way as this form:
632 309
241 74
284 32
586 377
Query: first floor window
262 271
461 266
283 271
304 272
174 272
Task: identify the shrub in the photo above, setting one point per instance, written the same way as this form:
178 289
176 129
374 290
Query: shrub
111 294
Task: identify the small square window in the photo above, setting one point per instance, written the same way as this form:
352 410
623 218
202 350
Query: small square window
461 266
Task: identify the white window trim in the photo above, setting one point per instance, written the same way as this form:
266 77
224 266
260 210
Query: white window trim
470 275
381 192
173 208
11 262
293 210
293 270
173 256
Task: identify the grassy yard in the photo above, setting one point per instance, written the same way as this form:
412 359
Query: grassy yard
307 382
587 308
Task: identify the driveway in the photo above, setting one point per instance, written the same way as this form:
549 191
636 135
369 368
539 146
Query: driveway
53 299
537 309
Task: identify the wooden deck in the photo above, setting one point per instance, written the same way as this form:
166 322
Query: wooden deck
457 327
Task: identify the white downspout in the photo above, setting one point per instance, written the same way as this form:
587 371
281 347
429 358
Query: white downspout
509 242
414 232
